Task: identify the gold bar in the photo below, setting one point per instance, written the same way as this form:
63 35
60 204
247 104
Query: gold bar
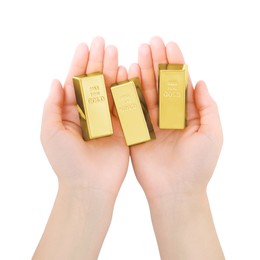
92 104
173 85
132 111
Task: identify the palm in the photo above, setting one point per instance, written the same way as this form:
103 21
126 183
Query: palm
165 163
99 154
89 164
167 154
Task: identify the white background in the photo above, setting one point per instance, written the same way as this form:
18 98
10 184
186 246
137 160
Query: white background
220 41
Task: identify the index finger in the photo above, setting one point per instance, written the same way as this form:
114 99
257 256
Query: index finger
78 67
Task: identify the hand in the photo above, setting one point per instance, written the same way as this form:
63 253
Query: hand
90 173
178 161
174 169
99 164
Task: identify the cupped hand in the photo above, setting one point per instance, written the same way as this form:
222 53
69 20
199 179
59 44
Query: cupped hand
178 161
99 164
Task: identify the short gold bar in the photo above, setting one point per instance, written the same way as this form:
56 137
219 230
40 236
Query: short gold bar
92 104
173 85
132 111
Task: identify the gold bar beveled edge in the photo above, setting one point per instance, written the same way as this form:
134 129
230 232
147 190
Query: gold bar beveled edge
82 111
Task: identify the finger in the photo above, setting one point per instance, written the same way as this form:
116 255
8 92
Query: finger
174 56
148 77
96 56
134 71
78 67
208 112
52 112
110 70
158 54
121 76
79 63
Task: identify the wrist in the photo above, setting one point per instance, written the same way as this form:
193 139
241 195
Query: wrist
184 227
89 204
89 199
178 203
77 225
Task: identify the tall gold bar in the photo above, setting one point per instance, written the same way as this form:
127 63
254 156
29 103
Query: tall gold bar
132 112
173 85
92 104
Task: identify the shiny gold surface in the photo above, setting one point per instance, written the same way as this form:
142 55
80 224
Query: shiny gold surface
173 83
132 111
92 104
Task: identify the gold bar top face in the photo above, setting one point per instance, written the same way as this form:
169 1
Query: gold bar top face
132 112
92 103
173 83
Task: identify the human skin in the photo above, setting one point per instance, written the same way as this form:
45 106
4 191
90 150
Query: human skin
174 169
89 179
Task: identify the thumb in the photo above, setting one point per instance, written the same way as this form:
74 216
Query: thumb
52 112
210 124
